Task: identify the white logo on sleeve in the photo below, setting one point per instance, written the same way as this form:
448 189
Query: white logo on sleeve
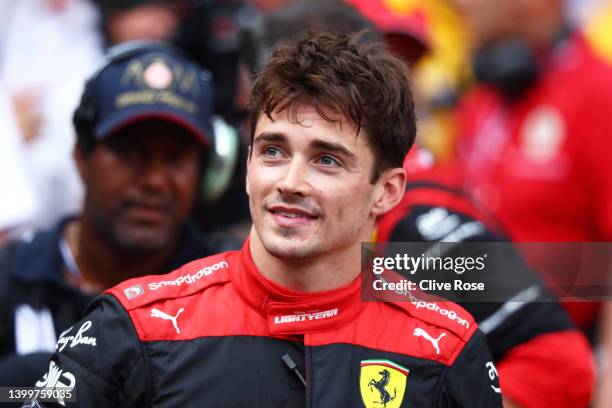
437 223
162 315
56 378
77 339
493 375
418 332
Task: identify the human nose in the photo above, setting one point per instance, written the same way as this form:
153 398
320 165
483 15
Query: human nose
154 173
294 179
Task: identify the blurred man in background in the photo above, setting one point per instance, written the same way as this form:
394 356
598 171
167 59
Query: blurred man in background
144 135
535 135
129 20
210 32
527 330
47 49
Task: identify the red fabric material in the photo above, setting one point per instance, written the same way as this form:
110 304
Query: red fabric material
542 164
235 299
564 381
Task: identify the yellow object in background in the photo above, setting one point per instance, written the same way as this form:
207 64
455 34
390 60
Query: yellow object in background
440 76
598 31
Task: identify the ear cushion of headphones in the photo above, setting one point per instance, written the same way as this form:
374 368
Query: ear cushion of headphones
221 166
510 66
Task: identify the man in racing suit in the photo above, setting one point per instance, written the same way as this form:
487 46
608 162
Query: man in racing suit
281 322
528 331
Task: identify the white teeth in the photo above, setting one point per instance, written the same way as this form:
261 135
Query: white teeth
289 215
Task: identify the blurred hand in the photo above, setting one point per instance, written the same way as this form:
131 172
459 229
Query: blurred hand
26 104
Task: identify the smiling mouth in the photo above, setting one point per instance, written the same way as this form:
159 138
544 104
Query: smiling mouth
293 214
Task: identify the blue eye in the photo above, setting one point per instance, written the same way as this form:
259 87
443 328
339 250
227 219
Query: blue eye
271 151
328 161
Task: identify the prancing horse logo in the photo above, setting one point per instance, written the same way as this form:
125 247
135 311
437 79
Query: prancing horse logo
381 386
382 383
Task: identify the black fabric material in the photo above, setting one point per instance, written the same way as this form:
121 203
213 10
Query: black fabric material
32 273
527 322
247 371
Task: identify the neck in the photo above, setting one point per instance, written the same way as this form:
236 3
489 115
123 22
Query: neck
547 23
321 272
102 265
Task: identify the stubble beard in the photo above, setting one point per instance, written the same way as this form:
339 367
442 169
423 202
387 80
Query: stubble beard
132 239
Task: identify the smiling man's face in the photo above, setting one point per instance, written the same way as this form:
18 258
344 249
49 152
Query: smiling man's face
309 185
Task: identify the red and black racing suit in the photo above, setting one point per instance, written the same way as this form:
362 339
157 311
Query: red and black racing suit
543 361
213 333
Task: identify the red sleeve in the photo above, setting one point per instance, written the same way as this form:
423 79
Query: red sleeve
593 125
532 376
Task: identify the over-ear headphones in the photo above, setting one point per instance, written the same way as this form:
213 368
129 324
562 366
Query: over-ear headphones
511 65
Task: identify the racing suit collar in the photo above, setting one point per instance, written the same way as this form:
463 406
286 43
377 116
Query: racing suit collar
290 312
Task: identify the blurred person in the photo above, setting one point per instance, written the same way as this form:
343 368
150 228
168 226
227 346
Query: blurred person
528 333
404 25
294 20
535 133
211 32
282 320
47 48
144 135
430 36
14 176
129 20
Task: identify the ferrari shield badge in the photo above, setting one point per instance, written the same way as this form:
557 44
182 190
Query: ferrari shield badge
382 383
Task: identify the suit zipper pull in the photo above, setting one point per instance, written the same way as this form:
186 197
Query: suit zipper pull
293 367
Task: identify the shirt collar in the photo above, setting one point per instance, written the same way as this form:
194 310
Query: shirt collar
293 312
39 259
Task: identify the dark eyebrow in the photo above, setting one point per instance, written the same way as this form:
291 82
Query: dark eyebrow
277 137
332 147
270 137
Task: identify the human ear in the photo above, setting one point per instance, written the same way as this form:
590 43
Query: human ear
389 190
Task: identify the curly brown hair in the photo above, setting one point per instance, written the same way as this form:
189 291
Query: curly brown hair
338 74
